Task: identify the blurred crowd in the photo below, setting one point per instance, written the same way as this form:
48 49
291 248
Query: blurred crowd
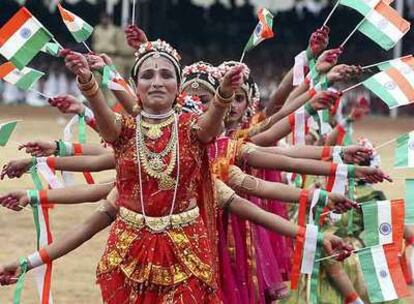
212 34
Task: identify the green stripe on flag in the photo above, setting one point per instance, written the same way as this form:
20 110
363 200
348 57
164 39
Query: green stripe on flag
372 32
370 234
357 5
401 151
384 66
28 80
375 87
370 274
409 201
83 34
31 48
5 132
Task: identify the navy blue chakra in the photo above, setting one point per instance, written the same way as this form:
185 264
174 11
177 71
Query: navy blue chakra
25 33
385 229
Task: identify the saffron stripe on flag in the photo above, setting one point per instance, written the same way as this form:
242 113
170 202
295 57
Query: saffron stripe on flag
402 82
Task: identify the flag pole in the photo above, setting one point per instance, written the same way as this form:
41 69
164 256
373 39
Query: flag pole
352 33
87 47
331 13
57 42
40 93
337 254
352 87
382 62
385 144
242 56
134 5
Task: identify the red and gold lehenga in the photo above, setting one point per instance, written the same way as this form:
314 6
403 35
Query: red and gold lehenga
178 264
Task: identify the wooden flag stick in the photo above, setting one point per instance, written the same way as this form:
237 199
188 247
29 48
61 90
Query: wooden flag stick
331 13
352 87
337 254
385 144
382 62
87 47
134 6
40 93
352 33
242 57
57 42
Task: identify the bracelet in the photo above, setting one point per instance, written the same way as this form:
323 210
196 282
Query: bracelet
77 149
312 92
65 148
33 196
57 150
338 154
43 200
92 91
51 162
222 99
351 298
38 258
308 108
86 85
326 153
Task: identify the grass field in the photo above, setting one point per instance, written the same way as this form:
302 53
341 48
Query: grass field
74 275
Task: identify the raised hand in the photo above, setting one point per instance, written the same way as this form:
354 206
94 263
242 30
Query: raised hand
39 148
359 109
15 168
343 72
371 175
9 273
328 60
319 40
339 203
356 154
232 80
77 64
67 104
334 245
324 100
16 200
135 36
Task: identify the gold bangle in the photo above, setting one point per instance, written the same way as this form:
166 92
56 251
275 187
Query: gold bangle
222 99
220 104
86 85
92 91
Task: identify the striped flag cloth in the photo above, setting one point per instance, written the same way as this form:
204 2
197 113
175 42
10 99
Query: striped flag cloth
299 126
263 30
6 130
52 48
404 151
409 201
23 79
112 80
22 38
383 274
309 249
361 6
395 84
79 29
337 183
383 222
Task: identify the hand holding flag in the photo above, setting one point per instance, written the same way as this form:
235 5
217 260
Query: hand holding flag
319 41
328 60
135 36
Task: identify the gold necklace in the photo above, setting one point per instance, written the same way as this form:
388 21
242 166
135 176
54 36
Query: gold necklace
154 130
153 163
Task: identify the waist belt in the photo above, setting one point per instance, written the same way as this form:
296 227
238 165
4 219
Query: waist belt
176 220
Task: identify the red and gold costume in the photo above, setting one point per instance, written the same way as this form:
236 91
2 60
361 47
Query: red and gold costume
177 265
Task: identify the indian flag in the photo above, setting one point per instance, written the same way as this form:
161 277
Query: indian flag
395 84
79 29
22 38
114 81
383 274
6 130
383 222
384 26
298 126
52 48
404 151
23 79
337 183
361 6
409 201
263 31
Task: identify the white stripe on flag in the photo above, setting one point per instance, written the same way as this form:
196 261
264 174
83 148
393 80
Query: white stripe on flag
300 122
406 70
19 38
315 199
340 179
383 273
384 25
47 173
391 87
298 69
309 249
14 76
336 155
410 151
76 25
384 218
39 273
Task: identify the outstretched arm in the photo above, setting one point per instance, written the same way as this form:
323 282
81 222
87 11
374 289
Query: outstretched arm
72 240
